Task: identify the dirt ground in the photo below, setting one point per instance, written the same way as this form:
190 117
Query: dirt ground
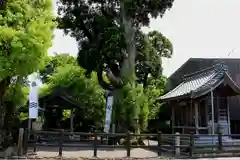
73 153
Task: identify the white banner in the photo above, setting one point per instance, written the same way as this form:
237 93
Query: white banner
108 114
33 101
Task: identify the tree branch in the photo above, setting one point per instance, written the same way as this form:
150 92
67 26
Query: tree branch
116 81
87 33
103 84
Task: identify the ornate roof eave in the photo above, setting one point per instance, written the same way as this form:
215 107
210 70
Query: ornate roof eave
215 77
226 80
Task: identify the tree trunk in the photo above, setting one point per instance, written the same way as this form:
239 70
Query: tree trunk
4 84
127 71
128 68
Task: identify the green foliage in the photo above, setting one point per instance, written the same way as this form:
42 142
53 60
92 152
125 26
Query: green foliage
151 48
70 79
87 91
23 116
155 89
54 62
135 103
112 44
140 104
26 33
66 114
100 34
17 95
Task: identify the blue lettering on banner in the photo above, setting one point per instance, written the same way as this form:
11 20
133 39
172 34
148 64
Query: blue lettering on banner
33 105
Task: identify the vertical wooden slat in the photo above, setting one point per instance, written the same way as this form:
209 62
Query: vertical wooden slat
220 145
61 142
173 119
207 114
26 133
20 141
191 145
128 144
35 142
212 104
228 117
196 116
95 145
159 143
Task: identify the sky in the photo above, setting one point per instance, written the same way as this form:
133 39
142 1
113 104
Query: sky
196 28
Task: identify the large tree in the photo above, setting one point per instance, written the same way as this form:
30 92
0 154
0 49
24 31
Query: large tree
108 33
26 33
111 41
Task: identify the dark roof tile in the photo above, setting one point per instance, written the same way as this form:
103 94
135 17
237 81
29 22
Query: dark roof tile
198 83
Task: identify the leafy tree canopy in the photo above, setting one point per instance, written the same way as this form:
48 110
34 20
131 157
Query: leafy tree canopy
26 33
99 28
54 62
69 78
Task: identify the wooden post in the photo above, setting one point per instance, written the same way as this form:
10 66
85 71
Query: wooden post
71 120
95 145
177 144
61 142
29 127
191 145
212 103
159 144
43 112
35 142
25 142
173 119
196 117
228 117
220 145
128 144
20 141
207 115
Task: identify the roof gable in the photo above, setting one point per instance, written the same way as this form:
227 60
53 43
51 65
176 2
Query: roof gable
196 64
201 82
201 63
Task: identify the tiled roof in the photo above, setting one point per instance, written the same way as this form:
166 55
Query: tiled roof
199 83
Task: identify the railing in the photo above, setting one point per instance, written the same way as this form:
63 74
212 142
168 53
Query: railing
94 141
180 145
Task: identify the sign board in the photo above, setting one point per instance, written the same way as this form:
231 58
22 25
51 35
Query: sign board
108 114
33 101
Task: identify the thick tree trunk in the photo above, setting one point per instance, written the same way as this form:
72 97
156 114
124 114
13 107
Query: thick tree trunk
127 71
128 68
